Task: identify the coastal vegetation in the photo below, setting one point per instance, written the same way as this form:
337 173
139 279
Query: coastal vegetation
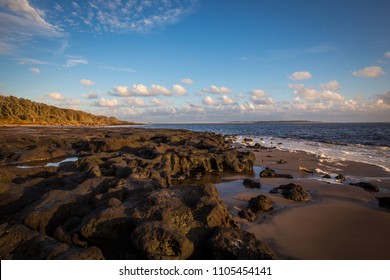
15 110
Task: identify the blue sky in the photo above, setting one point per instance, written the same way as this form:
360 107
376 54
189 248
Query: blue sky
200 61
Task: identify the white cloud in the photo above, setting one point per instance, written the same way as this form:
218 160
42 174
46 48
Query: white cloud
369 72
121 91
331 96
35 70
260 97
56 96
87 82
217 90
157 89
227 100
91 95
296 86
23 8
209 101
117 16
71 62
106 103
303 75
187 81
20 22
387 54
179 89
307 93
334 84
140 89
156 102
258 92
136 102
24 61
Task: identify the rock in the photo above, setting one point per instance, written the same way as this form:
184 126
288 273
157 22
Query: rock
281 161
326 176
250 184
302 168
367 186
247 214
292 191
270 173
260 203
234 244
384 202
340 178
157 242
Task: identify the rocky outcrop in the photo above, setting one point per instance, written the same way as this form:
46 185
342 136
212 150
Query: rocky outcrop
292 191
366 186
234 244
270 173
250 184
384 202
130 195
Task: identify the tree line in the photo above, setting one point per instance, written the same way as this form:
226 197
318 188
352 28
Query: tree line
15 110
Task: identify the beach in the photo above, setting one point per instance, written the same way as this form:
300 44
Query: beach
338 222
135 193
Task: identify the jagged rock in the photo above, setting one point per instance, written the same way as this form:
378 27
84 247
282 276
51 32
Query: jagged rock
247 214
340 178
367 186
232 243
119 188
270 173
384 202
292 191
260 203
158 242
250 184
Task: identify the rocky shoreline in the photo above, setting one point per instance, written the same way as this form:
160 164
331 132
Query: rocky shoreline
127 193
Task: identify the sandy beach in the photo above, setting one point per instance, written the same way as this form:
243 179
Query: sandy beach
339 222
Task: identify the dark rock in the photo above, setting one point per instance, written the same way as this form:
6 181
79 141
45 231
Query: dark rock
247 214
250 184
340 178
367 186
234 244
384 202
157 242
260 203
292 191
326 176
270 173
281 161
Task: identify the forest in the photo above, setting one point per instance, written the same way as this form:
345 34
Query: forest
15 110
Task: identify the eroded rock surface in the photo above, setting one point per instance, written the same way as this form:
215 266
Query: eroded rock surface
129 195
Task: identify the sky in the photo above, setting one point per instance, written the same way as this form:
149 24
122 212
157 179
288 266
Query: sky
201 60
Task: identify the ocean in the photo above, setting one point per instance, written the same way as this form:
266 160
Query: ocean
361 142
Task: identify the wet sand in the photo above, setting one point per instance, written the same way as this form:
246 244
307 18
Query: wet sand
339 222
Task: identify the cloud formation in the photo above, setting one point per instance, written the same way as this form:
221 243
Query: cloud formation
118 16
142 90
87 82
187 81
56 96
106 103
334 84
91 95
35 70
387 54
20 22
217 90
369 72
302 75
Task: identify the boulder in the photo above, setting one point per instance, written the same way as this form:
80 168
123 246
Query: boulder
247 214
292 191
235 244
260 203
250 184
158 242
384 202
270 173
367 186
340 178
